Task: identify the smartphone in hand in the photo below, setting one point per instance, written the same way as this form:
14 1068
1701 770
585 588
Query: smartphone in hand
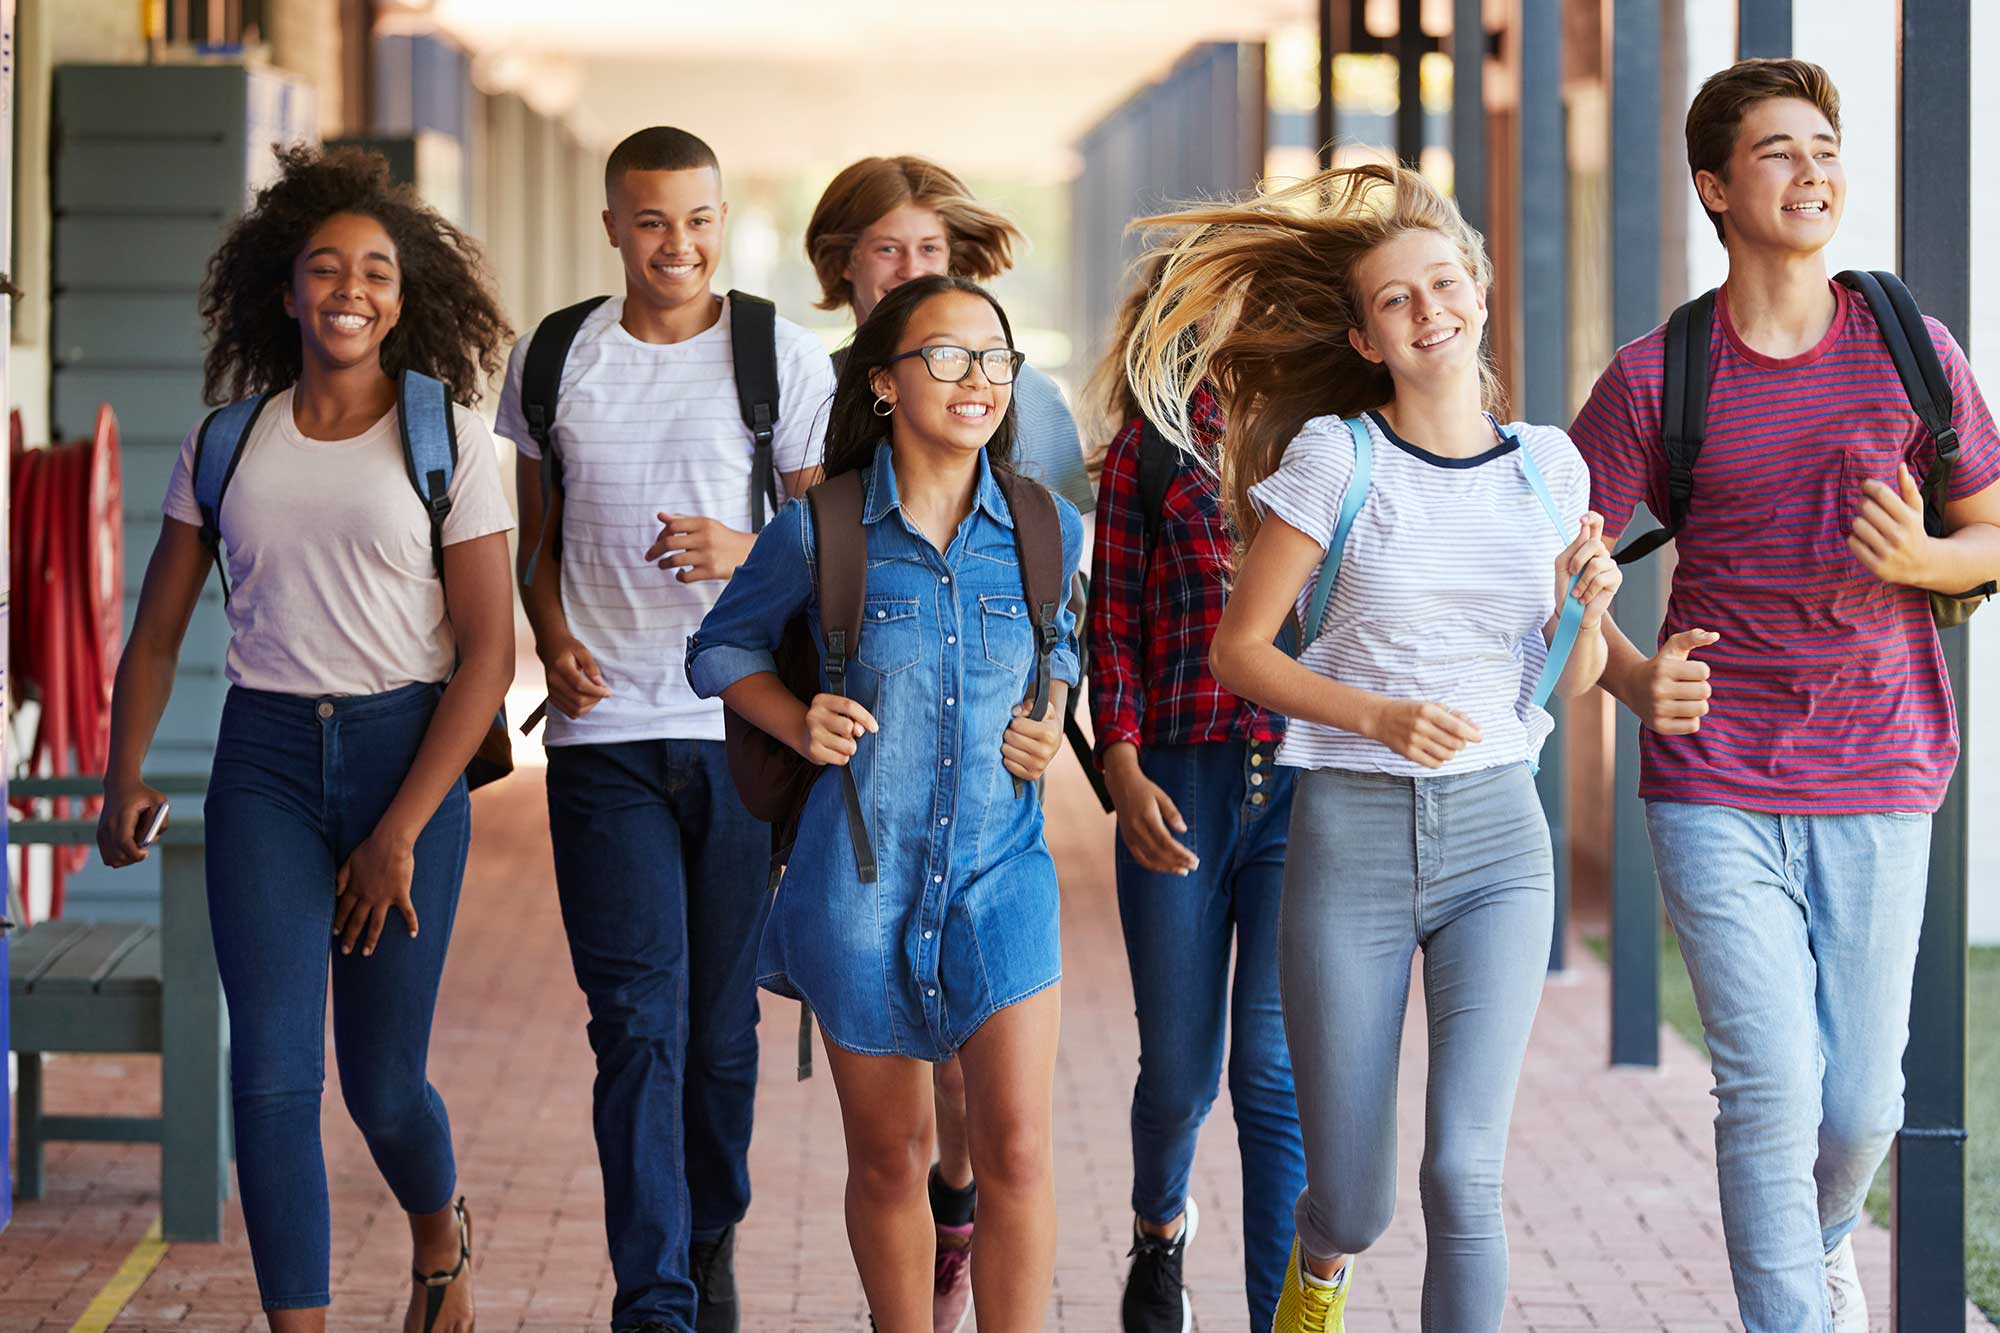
157 822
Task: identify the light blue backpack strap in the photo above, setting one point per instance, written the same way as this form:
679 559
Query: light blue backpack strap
430 450
218 447
1571 618
1351 501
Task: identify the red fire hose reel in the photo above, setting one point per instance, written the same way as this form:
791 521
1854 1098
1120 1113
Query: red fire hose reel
67 553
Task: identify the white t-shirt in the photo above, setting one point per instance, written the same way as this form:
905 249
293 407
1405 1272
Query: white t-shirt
644 429
332 586
1446 581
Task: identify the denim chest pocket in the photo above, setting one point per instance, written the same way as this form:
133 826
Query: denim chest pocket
1009 634
891 635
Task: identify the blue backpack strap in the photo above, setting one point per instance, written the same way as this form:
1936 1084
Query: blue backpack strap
1351 501
1571 618
218 448
430 450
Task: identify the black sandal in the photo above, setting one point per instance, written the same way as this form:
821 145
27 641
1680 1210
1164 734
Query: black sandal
435 1283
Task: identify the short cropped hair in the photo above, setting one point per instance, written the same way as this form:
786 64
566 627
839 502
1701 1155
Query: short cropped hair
661 148
1717 111
982 239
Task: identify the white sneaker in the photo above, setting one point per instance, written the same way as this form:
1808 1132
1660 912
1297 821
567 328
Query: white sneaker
1843 1290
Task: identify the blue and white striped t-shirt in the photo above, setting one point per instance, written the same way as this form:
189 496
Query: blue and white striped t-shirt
1446 582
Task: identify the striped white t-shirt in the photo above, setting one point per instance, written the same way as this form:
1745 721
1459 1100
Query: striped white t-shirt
643 429
1446 582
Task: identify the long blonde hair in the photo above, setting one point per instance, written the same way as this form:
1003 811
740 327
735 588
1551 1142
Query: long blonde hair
1257 296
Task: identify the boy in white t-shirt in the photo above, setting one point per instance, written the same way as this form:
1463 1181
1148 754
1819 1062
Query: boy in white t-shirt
659 867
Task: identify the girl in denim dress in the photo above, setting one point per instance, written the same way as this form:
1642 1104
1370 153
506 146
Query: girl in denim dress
954 949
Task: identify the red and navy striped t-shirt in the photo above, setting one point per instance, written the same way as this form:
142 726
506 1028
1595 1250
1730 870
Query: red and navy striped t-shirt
1830 694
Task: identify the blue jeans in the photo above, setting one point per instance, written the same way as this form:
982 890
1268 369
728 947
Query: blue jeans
1457 865
662 873
1178 933
1800 934
297 785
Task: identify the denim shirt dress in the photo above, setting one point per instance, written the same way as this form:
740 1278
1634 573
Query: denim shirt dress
962 919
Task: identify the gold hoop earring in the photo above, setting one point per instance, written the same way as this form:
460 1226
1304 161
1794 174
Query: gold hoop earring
879 402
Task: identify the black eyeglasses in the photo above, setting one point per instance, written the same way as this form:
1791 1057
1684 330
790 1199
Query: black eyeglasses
950 365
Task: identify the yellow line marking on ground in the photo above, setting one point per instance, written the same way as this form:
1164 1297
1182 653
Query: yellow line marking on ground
124 1284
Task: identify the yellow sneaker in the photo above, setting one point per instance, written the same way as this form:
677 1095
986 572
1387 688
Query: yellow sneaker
1307 1307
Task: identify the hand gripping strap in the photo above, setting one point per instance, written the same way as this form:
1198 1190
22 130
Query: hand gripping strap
1351 501
1038 547
218 448
840 542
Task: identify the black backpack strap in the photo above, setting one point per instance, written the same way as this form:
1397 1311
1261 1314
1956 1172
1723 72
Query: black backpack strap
1683 417
753 348
541 387
840 546
1159 461
1925 384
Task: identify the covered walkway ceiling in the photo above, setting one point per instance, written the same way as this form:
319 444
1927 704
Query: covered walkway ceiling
998 88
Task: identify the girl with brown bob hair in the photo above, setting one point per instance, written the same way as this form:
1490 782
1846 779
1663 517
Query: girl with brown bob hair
1339 321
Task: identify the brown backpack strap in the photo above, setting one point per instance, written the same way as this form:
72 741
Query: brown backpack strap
840 548
1038 545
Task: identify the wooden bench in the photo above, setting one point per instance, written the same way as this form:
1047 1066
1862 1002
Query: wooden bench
118 986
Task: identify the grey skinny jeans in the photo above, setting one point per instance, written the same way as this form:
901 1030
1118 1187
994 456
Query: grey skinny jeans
1378 867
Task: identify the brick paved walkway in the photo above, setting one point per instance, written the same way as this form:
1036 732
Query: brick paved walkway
1610 1182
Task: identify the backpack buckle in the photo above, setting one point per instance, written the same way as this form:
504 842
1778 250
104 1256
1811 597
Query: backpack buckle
761 425
1680 484
1946 441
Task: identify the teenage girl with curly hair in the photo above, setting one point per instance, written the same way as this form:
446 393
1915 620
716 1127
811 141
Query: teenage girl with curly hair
361 685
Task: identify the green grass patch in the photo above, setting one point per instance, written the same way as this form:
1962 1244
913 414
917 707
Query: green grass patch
1982 1102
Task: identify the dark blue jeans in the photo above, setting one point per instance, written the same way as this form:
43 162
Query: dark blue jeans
297 785
1178 933
662 875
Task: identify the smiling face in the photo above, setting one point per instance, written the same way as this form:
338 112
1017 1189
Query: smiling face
346 291
909 241
667 228
1422 313
1784 186
957 417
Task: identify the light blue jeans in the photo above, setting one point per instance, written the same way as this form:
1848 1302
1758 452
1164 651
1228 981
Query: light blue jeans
1379 867
1800 934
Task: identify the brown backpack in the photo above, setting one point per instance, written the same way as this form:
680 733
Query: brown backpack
772 777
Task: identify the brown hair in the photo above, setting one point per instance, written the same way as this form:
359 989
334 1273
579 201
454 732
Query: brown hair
1257 297
982 239
1716 113
1108 402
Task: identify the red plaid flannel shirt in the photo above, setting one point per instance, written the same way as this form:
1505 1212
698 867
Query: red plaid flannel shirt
1151 621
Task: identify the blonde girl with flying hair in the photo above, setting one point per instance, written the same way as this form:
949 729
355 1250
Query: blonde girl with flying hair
1427 553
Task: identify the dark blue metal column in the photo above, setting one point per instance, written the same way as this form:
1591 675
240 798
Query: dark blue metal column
1468 111
1763 28
1544 298
1323 120
1635 309
1934 229
1410 81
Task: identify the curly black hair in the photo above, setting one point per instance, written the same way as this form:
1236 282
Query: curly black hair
451 327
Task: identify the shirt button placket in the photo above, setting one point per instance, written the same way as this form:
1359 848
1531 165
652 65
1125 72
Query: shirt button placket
932 915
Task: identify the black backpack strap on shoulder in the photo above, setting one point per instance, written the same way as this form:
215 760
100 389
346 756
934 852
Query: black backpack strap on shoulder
1038 546
1683 417
840 543
541 387
1925 384
753 349
1159 461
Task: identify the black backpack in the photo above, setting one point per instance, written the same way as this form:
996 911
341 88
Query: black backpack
1684 413
753 350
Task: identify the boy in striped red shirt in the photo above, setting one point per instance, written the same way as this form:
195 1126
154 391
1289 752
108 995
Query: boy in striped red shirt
1798 722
